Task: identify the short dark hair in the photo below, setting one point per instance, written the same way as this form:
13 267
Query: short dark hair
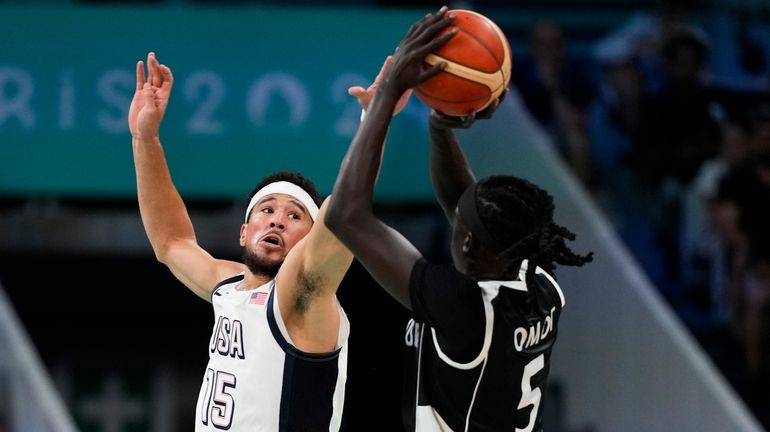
520 214
291 177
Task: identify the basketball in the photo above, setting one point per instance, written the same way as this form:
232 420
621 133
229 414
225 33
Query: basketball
478 59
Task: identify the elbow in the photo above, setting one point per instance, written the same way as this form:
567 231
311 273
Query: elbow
164 249
161 252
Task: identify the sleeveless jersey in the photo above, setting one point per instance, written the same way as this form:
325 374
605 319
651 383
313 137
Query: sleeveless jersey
256 380
478 352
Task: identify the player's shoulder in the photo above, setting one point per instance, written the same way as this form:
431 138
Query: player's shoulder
545 285
430 270
228 284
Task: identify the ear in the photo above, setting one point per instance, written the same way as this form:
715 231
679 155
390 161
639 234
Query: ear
242 239
467 243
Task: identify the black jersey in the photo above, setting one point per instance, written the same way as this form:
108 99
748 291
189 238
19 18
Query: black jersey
478 352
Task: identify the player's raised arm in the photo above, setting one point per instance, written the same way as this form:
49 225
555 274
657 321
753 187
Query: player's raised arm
450 172
386 254
163 212
307 285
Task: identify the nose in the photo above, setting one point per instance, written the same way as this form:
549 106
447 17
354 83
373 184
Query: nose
277 220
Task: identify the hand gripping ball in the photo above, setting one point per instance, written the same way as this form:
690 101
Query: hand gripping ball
478 67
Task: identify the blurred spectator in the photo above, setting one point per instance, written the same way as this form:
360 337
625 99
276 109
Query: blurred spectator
743 213
744 210
645 34
704 262
556 90
613 120
741 39
757 327
705 267
678 132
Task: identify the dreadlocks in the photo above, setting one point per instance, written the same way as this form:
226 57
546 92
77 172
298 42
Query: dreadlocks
519 214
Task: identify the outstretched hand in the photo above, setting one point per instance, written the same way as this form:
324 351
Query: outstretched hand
365 95
150 98
443 121
406 69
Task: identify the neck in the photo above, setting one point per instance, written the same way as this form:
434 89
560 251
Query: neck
485 269
255 280
491 267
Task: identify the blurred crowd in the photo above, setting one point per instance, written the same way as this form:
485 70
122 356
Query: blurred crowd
678 156
674 146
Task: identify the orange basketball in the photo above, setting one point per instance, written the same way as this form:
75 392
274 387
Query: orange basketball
478 67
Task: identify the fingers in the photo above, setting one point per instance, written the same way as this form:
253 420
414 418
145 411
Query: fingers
502 96
139 75
488 111
148 94
419 27
442 120
432 71
150 68
428 18
432 24
431 19
154 75
167 77
434 44
158 75
357 91
492 107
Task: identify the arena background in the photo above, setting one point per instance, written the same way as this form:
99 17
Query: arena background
261 87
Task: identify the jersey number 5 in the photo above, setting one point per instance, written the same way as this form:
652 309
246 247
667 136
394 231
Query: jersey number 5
529 395
218 405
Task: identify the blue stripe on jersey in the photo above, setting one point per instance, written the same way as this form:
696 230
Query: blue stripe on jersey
229 280
309 381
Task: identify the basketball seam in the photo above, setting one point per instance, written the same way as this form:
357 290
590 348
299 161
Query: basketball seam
480 42
506 66
490 80
454 68
485 78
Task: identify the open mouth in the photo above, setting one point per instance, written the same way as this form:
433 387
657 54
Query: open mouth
272 239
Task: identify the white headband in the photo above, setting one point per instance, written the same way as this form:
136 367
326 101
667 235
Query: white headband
286 188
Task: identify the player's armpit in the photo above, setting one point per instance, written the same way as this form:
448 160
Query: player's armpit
319 259
306 286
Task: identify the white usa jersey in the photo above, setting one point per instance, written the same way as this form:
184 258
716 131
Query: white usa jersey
256 379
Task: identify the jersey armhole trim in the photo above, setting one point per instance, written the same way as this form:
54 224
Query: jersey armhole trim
490 318
282 338
227 281
553 282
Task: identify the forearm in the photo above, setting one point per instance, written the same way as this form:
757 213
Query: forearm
161 207
386 254
450 172
354 188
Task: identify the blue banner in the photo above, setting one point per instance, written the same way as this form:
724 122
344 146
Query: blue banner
256 90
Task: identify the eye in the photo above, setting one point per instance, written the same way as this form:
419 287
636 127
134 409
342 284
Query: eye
267 210
294 216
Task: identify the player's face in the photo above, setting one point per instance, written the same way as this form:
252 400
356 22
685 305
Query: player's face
276 223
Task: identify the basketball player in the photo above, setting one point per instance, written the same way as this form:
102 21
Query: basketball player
482 331
278 353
